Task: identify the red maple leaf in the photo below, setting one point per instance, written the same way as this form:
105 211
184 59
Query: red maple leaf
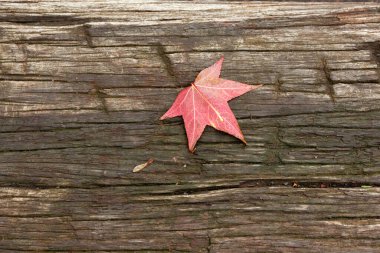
204 103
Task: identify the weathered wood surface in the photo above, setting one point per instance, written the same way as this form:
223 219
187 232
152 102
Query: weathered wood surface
83 83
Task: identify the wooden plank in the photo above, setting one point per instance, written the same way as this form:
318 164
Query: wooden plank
217 220
83 84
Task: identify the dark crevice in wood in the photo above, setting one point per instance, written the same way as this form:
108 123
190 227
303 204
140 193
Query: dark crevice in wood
101 96
69 221
24 50
25 77
253 183
295 163
327 126
36 215
268 183
81 250
360 11
87 35
311 113
305 184
349 217
8 100
45 20
273 156
59 109
167 62
277 26
257 50
89 186
60 148
329 84
375 49
209 243
38 130
278 86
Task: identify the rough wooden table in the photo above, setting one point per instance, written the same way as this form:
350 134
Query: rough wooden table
83 84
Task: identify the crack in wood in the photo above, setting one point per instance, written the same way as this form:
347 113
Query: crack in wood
61 148
273 156
24 50
209 243
171 191
255 50
167 62
351 217
87 35
101 96
69 221
374 48
45 20
278 86
253 183
304 183
329 84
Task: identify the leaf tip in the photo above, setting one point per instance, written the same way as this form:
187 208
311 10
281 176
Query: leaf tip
253 87
220 61
192 148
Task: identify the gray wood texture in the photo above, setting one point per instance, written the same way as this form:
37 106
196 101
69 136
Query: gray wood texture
83 84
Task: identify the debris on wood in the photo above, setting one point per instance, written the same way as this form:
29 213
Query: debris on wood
140 167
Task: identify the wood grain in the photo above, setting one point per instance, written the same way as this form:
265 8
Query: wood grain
83 84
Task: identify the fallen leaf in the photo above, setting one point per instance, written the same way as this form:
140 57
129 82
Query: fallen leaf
142 166
204 103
